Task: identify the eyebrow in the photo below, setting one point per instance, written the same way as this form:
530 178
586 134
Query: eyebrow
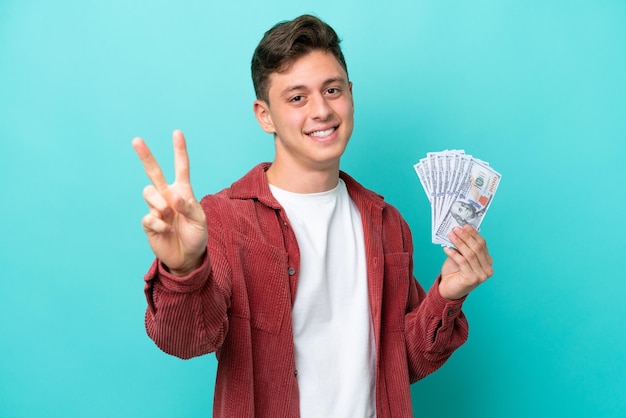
332 80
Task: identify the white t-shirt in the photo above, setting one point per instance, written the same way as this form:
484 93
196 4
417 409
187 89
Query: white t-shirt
334 339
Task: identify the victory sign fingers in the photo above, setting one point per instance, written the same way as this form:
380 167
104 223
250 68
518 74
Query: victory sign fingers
175 224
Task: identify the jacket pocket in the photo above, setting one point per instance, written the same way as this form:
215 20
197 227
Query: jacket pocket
263 293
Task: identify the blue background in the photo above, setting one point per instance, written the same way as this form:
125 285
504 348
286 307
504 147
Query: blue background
537 88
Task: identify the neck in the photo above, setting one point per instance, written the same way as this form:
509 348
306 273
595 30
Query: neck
301 180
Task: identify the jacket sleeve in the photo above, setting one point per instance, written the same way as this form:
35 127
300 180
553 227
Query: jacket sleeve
434 326
188 316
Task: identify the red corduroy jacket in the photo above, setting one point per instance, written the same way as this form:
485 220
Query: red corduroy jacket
238 304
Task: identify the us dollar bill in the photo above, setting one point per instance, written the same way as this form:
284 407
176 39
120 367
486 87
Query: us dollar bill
459 188
471 201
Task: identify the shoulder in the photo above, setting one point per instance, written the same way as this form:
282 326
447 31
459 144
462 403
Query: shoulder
251 187
247 202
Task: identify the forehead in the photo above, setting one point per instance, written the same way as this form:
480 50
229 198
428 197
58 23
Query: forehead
308 71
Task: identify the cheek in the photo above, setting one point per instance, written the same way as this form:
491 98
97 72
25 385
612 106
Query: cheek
348 118
346 110
289 121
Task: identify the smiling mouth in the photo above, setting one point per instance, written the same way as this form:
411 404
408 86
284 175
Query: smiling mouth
323 133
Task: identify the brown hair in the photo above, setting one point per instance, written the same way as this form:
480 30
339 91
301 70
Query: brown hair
287 41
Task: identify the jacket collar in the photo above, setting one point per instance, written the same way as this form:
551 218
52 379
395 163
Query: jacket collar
254 185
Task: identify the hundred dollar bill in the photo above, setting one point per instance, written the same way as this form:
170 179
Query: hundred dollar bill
423 171
472 199
424 175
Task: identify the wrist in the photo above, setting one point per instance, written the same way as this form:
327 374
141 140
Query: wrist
187 268
452 293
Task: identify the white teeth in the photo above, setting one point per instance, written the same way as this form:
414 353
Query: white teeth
323 133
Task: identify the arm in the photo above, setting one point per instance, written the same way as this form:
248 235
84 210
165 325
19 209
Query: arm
435 328
187 316
435 324
187 300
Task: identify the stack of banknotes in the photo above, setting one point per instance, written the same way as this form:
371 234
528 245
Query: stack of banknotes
460 189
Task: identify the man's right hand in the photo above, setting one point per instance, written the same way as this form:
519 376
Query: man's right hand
175 224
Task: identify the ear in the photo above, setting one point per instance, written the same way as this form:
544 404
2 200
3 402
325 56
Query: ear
262 113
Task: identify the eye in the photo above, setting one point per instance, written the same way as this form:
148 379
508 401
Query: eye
333 91
296 99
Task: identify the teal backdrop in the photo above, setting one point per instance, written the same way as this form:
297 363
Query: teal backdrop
537 88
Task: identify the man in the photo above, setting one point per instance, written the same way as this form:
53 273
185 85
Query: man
296 276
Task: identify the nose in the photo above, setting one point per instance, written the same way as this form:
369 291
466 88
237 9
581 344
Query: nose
320 109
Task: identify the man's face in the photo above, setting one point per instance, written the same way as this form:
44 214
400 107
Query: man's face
310 111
